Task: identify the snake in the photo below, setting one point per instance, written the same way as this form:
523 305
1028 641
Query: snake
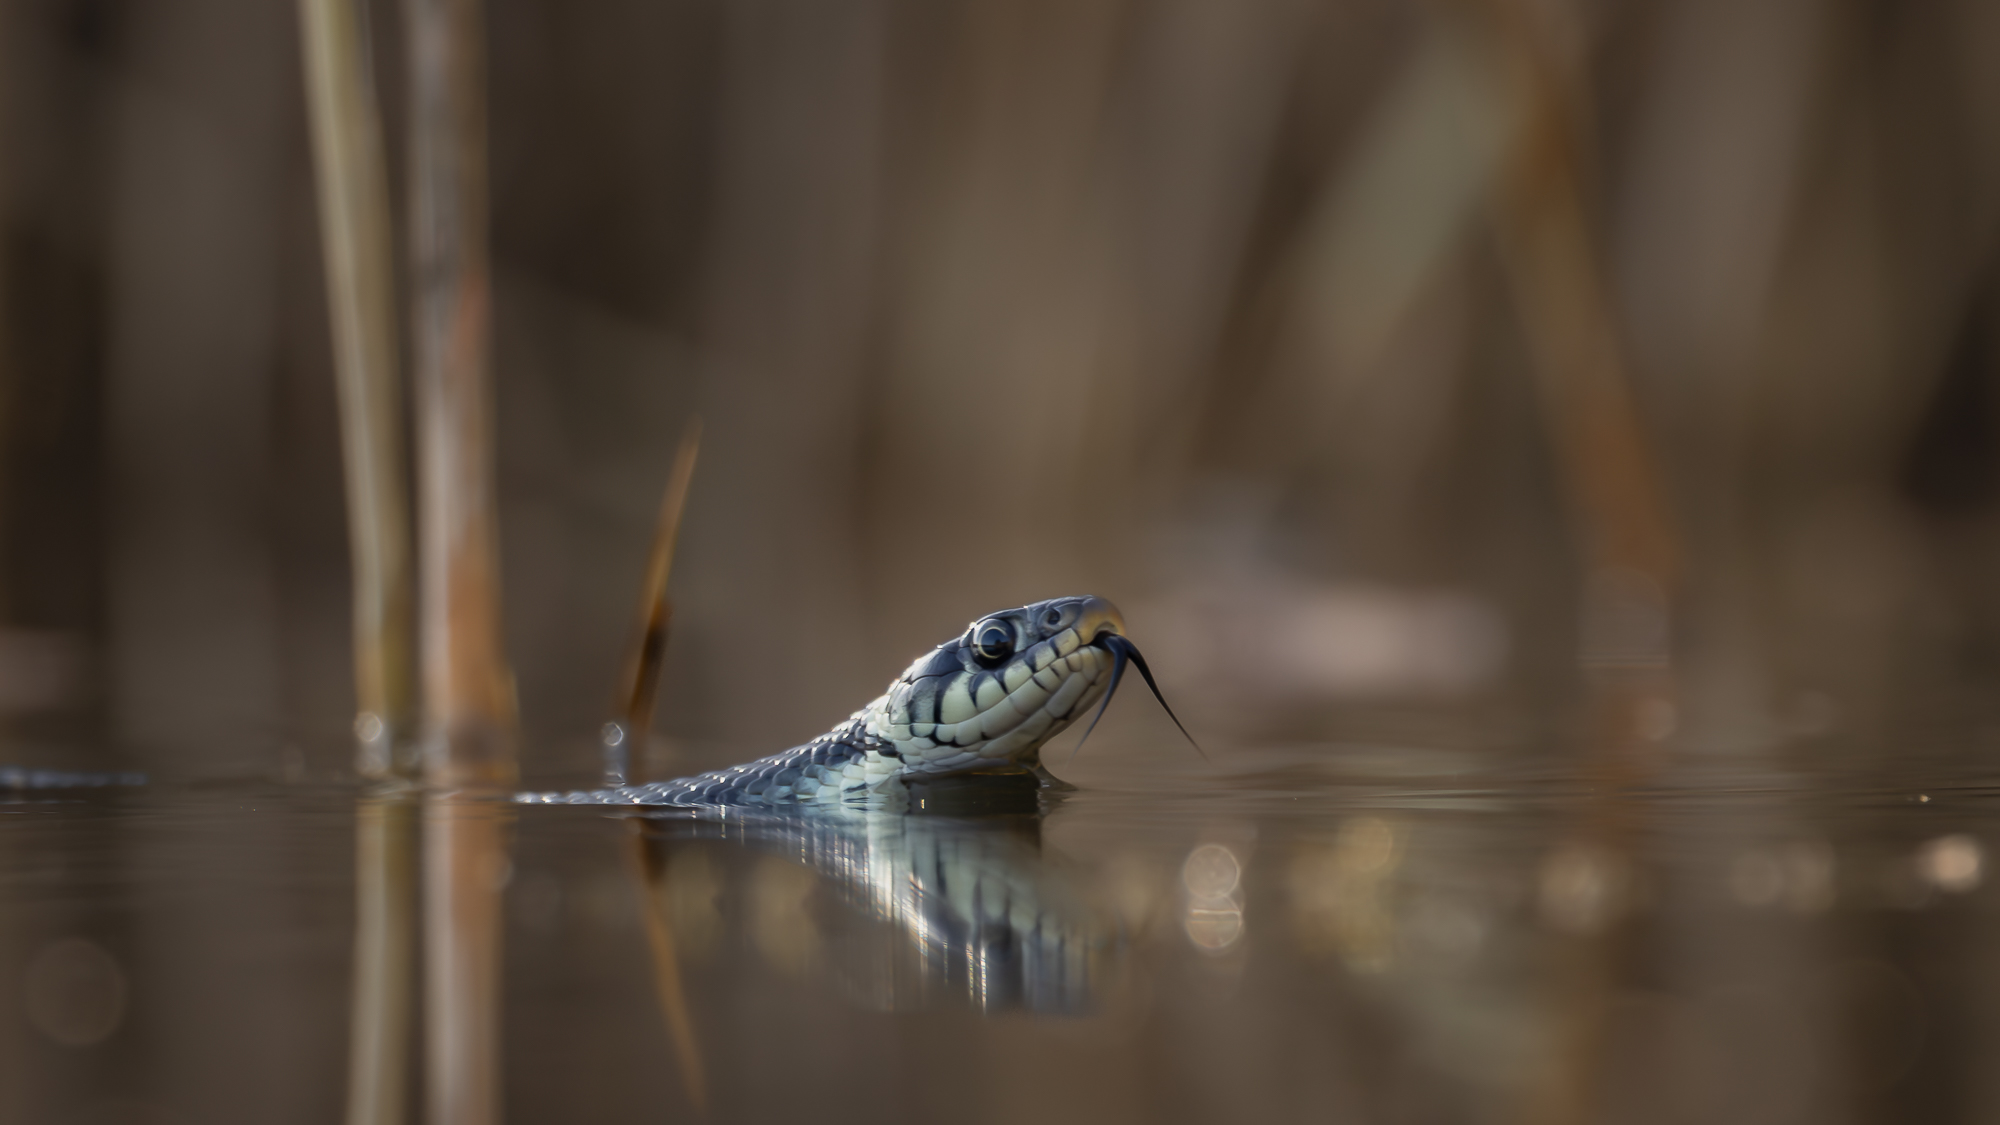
983 702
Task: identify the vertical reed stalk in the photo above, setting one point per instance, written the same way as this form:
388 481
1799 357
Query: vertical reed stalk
626 749
468 692
1585 378
1565 304
385 959
356 244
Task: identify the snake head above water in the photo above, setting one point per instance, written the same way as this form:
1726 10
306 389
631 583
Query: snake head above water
989 698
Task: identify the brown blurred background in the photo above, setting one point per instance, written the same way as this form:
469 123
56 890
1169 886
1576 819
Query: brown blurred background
1232 312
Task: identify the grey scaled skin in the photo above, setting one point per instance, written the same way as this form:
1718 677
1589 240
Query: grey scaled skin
984 702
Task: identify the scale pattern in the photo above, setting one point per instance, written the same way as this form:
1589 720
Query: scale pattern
842 764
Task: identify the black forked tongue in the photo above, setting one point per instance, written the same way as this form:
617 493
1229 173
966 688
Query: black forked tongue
1122 650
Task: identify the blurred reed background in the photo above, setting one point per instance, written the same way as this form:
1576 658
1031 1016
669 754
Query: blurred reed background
1279 322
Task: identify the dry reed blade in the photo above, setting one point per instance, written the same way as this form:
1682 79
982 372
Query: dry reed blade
357 247
468 691
385 959
1578 350
1565 303
656 612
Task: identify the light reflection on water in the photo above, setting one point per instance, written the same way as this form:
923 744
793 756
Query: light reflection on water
1218 946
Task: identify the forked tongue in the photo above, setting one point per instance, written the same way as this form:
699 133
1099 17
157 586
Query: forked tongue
1122 650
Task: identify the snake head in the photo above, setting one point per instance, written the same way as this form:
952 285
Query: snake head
990 697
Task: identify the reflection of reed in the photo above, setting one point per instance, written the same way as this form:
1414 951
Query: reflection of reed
385 952
657 910
356 245
465 870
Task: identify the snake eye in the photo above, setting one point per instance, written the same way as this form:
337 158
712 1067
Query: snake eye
992 641
1052 618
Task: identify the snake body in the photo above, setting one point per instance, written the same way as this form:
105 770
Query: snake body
983 702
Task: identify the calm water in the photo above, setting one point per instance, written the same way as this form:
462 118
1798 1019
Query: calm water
1331 933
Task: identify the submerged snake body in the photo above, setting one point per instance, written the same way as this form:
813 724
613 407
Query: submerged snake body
982 702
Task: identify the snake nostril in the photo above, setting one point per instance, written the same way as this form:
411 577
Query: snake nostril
1052 618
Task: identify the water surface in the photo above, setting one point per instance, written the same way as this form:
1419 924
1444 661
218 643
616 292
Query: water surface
1324 932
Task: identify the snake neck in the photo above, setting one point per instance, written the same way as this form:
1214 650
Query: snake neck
852 764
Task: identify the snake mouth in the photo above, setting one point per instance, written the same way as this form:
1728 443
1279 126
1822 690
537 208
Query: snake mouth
995 695
1096 617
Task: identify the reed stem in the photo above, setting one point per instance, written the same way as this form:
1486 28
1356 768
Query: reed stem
357 247
468 691
1573 331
